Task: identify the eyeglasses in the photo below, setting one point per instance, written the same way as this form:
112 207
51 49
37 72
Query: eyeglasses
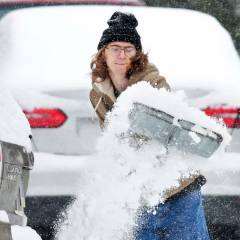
116 50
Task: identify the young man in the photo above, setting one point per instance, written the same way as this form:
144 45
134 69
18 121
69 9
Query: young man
119 63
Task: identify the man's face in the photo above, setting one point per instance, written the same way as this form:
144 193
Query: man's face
118 56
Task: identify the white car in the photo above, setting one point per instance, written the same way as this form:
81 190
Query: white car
45 58
62 122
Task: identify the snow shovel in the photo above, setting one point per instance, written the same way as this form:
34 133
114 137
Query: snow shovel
185 136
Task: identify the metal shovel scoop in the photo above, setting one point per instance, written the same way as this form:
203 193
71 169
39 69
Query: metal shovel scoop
184 135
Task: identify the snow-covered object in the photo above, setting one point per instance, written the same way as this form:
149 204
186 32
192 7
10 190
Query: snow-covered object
41 99
19 233
3 216
14 127
121 178
24 233
51 47
169 102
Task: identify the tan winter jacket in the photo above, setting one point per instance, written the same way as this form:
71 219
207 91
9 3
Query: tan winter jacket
102 94
102 98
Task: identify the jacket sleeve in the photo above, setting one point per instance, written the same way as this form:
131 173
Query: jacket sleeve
99 107
157 81
154 78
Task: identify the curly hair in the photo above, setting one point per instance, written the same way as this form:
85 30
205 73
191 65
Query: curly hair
100 70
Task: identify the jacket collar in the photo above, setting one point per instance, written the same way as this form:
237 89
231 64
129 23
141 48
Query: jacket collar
105 87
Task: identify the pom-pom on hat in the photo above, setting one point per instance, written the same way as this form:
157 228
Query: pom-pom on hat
122 28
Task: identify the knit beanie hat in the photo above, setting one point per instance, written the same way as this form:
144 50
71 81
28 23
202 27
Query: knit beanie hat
122 27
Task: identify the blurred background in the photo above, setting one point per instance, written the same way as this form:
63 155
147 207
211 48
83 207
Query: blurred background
226 11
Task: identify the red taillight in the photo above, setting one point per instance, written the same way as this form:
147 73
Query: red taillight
230 116
45 118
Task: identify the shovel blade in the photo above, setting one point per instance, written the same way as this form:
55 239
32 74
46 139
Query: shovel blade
185 136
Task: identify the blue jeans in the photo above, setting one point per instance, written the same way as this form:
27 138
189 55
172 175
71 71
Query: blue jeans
179 218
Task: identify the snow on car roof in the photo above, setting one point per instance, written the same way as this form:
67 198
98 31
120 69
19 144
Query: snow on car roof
51 47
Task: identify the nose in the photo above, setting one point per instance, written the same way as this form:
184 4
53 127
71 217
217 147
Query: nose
122 54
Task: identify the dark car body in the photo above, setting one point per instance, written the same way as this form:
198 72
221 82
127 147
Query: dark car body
9 5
